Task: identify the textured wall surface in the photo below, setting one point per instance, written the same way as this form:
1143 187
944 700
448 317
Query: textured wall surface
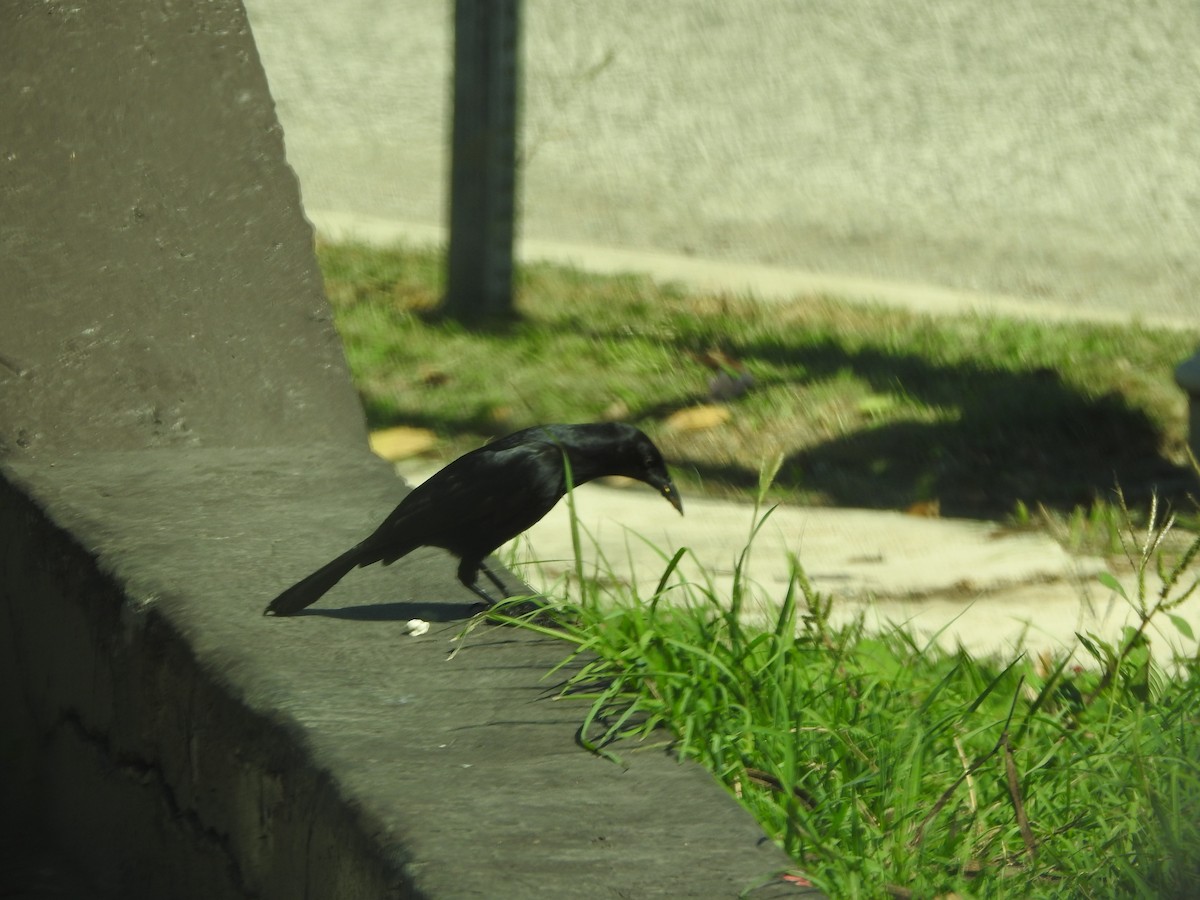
152 262
1046 150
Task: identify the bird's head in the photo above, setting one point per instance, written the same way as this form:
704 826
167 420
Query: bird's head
599 449
667 488
643 461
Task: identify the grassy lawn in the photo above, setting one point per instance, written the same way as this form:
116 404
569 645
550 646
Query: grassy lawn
866 406
884 767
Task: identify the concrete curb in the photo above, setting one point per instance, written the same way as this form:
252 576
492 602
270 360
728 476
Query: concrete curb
327 755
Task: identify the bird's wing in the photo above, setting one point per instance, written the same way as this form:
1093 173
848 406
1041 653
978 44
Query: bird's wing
476 503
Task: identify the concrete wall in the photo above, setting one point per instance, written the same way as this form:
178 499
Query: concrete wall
158 292
1044 150
132 751
152 264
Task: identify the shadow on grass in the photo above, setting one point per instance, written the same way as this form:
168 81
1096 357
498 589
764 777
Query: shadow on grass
1006 435
1016 435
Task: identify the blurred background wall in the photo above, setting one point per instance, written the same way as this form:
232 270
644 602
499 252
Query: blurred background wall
1047 149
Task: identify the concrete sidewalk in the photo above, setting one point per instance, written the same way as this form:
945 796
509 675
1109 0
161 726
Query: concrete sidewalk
978 584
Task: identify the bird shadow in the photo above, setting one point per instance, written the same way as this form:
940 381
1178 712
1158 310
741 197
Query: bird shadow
400 611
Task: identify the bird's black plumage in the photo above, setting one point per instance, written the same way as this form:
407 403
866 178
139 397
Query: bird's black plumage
489 496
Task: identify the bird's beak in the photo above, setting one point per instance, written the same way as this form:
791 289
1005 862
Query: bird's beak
669 491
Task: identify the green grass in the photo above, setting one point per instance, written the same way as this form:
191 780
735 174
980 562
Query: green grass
888 767
867 406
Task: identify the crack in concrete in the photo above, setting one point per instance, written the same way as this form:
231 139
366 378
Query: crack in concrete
148 773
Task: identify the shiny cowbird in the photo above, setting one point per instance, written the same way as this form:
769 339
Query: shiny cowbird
489 496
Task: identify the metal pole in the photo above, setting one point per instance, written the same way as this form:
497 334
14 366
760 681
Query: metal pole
483 159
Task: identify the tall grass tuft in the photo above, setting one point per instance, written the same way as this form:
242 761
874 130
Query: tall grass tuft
888 766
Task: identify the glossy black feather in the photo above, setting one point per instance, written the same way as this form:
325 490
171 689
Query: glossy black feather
487 497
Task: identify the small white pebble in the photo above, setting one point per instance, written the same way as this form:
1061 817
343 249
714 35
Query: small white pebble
417 627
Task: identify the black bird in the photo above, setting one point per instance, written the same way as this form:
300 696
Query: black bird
489 496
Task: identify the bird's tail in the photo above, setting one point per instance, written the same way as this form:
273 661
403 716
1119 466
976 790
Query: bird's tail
309 590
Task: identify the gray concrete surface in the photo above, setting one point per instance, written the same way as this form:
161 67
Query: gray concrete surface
1043 152
150 267
328 755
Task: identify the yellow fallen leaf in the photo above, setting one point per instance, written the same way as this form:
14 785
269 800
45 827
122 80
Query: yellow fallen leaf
929 509
697 418
401 443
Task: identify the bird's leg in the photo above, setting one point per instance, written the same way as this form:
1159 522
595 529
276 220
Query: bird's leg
484 595
519 609
494 578
468 574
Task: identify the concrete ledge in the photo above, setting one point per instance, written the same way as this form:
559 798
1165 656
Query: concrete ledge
180 744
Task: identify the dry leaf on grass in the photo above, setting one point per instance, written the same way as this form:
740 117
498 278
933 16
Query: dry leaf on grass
697 418
929 509
401 443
